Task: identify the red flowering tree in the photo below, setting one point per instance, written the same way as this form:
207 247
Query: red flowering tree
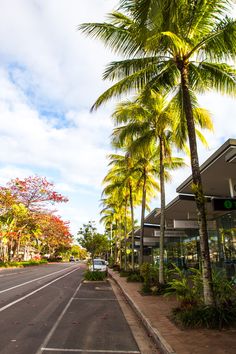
25 220
35 192
54 233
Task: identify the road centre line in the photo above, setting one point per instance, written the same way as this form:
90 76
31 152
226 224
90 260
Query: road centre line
31 281
91 351
35 291
51 332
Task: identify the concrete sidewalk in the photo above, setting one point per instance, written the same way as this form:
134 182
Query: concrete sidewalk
154 311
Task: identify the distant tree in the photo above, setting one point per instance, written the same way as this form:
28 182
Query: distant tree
94 242
78 252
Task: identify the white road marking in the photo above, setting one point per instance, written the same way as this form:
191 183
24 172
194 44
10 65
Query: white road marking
50 334
93 299
35 291
91 351
31 281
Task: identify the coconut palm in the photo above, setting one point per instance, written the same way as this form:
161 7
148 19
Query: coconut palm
116 184
108 219
184 47
144 172
151 119
123 165
112 209
147 171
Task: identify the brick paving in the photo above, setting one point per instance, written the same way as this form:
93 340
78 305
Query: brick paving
155 311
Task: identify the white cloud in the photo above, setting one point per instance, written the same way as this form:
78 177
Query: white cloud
77 151
50 75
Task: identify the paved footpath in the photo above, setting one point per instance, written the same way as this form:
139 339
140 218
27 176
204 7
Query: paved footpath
154 312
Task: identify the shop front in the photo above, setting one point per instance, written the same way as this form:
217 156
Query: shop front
182 244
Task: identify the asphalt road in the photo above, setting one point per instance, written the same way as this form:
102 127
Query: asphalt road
48 310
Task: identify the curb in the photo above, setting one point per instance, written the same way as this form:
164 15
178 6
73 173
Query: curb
153 332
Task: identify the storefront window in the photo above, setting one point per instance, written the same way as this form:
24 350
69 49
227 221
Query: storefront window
227 236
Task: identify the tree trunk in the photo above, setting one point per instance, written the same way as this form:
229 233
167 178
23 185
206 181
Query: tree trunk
125 236
197 190
162 221
142 218
111 240
120 244
132 222
116 250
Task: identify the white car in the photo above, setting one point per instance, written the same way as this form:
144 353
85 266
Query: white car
98 264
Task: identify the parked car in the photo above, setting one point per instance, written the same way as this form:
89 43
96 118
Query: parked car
98 264
72 259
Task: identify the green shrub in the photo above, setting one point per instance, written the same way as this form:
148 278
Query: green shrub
22 263
187 288
111 262
32 263
124 273
159 289
192 311
95 276
149 273
213 317
224 289
134 277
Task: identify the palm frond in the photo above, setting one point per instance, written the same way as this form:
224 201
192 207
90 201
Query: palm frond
219 76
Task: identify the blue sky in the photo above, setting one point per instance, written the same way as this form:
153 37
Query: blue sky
50 75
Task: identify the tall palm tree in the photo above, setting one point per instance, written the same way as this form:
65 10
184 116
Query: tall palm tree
146 168
149 120
184 47
123 165
116 185
112 209
108 220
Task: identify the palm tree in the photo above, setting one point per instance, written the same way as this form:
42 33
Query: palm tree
108 220
183 47
123 165
149 121
116 187
146 168
112 211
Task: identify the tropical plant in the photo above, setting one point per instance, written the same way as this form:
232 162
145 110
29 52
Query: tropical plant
183 47
116 184
150 119
146 167
94 275
187 288
122 168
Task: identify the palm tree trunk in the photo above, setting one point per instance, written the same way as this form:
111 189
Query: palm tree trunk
111 237
116 250
120 243
132 222
162 221
198 191
142 218
125 235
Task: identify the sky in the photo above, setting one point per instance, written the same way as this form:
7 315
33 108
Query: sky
50 75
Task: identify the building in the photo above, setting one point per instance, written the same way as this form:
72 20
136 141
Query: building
218 174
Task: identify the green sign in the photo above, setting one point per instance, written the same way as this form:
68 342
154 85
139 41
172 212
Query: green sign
220 204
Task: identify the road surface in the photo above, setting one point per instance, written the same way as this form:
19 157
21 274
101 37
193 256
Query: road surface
49 309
